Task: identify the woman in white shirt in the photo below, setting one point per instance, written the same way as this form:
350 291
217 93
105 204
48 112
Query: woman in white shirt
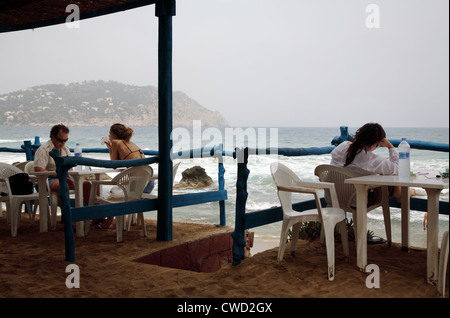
357 155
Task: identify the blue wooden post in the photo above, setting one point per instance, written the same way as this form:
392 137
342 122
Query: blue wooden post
344 133
241 200
36 145
164 11
30 149
223 220
343 137
28 152
62 172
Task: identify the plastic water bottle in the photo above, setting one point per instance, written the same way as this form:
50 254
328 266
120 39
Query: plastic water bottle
78 153
404 164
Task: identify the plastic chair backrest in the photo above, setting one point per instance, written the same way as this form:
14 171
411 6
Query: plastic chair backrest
21 165
133 181
6 171
283 176
29 167
337 175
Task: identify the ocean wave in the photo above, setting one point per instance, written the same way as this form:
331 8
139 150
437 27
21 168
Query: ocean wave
5 141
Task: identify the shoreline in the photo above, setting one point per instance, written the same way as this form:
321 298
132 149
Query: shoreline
262 244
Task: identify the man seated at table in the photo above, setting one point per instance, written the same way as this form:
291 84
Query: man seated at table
59 134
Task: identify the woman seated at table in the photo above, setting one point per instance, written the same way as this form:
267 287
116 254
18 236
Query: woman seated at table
121 148
357 155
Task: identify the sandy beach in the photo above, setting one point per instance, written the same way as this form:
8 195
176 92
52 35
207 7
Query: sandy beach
33 266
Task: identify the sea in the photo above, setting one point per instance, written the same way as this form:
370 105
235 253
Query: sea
261 189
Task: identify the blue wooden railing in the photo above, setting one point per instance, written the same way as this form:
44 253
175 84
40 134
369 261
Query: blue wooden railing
243 220
70 214
63 164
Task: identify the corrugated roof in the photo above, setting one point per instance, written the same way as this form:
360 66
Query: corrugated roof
16 15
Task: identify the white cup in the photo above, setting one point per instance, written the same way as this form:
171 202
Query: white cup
104 140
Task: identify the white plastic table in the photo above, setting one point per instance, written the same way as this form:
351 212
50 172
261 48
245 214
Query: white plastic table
78 177
432 185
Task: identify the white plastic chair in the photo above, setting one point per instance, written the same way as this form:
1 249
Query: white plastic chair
287 183
155 177
22 166
14 201
346 193
132 181
53 196
443 262
132 217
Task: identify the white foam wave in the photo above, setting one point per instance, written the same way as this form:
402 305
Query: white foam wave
10 141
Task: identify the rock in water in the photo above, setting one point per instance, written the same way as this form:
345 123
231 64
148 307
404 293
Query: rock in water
195 177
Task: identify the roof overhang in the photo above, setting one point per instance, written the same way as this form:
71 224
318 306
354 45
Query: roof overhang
16 15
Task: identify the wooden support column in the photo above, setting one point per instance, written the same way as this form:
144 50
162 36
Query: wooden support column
62 170
223 220
241 200
165 9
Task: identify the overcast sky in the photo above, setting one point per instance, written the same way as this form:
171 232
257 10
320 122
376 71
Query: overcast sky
262 63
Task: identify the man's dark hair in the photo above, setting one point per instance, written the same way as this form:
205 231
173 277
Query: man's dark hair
57 128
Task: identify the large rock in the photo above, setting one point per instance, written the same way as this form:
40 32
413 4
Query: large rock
195 177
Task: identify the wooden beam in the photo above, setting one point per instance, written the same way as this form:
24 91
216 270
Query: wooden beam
164 11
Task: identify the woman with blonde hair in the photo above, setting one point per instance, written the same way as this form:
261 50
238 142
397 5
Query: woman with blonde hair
120 145
121 148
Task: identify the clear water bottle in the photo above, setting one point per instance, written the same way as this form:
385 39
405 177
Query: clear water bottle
78 153
404 164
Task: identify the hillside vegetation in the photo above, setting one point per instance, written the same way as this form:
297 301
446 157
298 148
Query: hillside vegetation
98 103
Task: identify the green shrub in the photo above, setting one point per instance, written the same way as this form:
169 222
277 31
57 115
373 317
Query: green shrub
311 231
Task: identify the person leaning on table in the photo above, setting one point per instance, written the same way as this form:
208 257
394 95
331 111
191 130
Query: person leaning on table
357 155
59 134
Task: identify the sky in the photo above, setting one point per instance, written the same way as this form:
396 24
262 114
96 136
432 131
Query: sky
261 63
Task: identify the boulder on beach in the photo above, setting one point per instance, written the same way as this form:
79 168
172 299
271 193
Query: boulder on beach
195 177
